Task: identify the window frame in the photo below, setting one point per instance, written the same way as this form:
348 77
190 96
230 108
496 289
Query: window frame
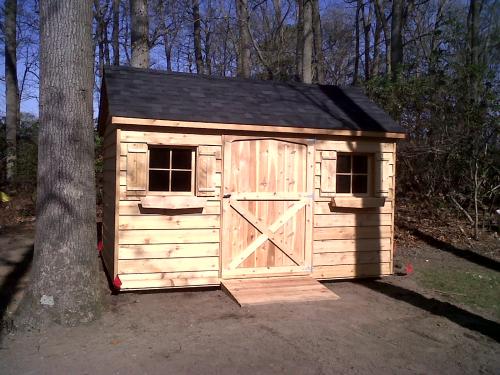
192 192
369 173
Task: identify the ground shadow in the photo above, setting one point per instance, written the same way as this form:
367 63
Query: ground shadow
10 285
451 312
469 255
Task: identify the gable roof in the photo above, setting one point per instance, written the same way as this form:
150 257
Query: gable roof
152 94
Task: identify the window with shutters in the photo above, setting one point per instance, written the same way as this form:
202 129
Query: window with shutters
171 170
354 174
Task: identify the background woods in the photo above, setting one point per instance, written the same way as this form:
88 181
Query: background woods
432 64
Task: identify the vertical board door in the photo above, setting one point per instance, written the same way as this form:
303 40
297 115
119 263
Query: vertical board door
267 207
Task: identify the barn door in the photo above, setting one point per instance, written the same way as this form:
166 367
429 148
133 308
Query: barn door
267 207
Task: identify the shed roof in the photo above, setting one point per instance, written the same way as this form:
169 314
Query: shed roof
153 94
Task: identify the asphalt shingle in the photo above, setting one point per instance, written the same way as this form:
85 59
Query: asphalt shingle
153 94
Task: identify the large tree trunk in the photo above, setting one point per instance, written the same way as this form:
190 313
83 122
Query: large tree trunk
11 88
300 40
397 37
307 49
116 32
197 36
244 40
139 20
318 43
473 31
64 284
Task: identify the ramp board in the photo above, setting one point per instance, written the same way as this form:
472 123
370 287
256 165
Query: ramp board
260 291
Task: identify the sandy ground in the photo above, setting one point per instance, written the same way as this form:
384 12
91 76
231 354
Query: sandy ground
384 326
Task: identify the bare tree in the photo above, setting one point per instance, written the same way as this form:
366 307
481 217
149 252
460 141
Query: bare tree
379 11
197 36
244 38
307 49
397 36
64 286
300 39
367 25
115 36
139 33
11 88
355 75
318 42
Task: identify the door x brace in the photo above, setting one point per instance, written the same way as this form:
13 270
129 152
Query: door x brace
267 233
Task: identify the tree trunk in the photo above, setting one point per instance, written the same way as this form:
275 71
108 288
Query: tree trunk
307 49
318 43
116 32
376 44
300 40
197 36
355 76
379 10
139 38
64 283
244 40
367 26
11 89
396 37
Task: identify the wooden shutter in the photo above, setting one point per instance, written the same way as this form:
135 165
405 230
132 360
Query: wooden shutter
137 169
381 175
205 170
328 171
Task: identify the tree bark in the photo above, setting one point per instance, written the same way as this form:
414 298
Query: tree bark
116 32
197 36
367 25
379 10
300 40
355 76
397 37
64 284
375 70
139 38
11 89
244 40
318 43
307 49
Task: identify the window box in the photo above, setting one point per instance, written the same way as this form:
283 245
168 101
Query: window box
173 202
358 202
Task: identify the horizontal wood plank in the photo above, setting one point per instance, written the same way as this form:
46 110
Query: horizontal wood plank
346 233
170 283
338 246
168 265
324 207
354 219
187 250
171 139
351 271
133 208
352 257
144 237
169 222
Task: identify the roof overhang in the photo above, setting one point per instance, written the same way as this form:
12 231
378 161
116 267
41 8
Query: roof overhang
115 120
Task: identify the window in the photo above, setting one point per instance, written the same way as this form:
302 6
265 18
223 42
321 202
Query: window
171 169
352 175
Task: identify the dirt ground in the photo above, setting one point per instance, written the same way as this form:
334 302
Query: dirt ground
393 325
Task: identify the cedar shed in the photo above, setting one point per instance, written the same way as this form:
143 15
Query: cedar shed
210 179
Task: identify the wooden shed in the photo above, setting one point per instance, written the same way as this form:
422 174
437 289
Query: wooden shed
210 179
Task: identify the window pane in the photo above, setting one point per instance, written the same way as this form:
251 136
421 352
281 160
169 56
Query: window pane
359 184
181 158
343 184
159 157
158 180
343 164
181 181
360 164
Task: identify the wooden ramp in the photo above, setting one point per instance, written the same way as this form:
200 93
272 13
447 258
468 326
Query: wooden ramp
260 291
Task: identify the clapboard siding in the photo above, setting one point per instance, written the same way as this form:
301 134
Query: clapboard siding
168 248
109 221
353 242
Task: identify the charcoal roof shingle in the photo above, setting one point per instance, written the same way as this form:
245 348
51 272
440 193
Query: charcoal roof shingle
152 94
